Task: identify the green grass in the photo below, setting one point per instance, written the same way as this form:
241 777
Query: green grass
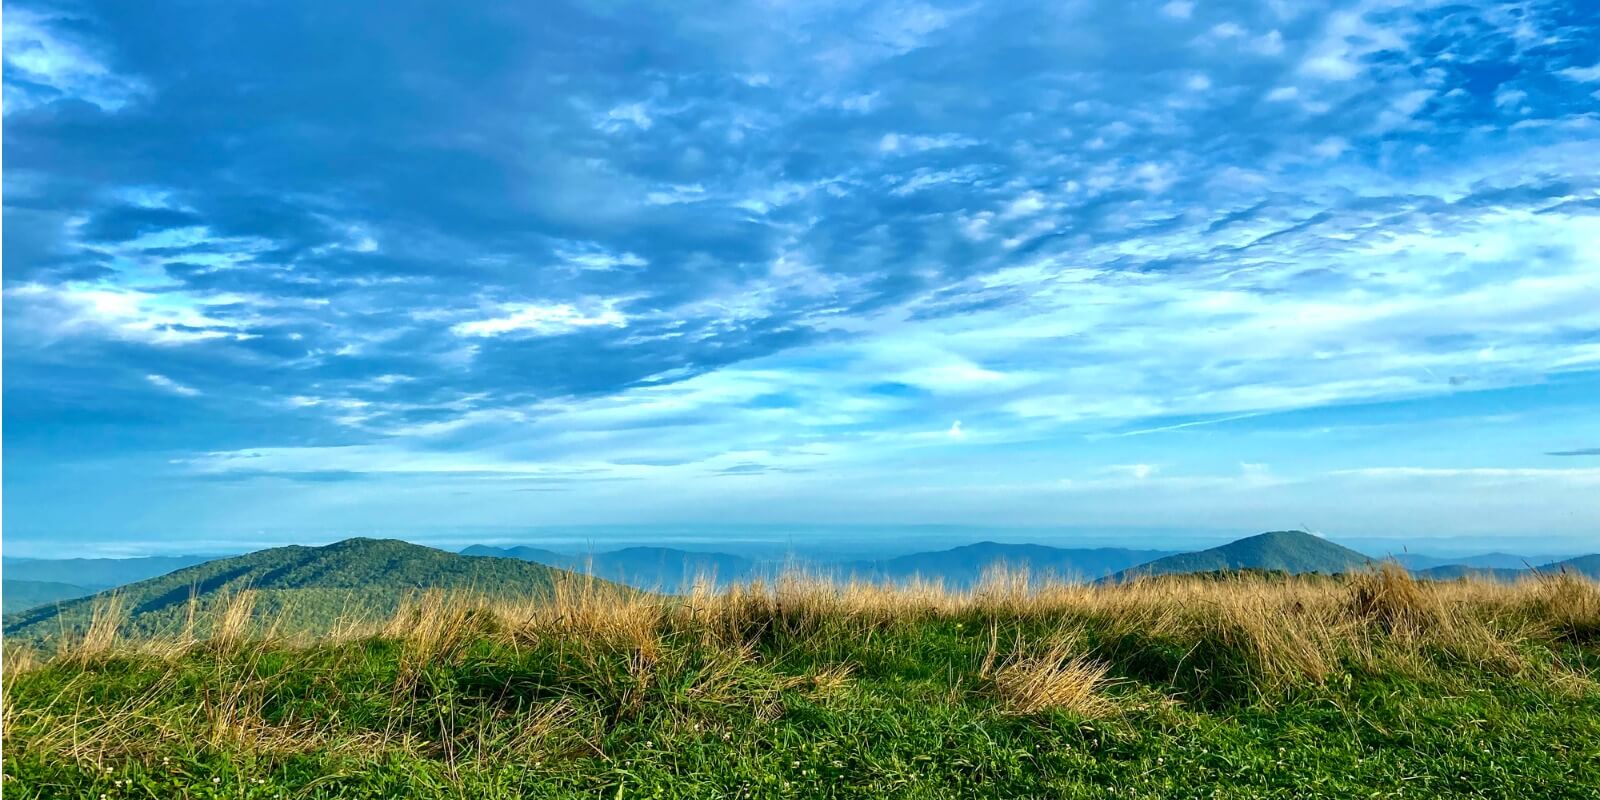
797 706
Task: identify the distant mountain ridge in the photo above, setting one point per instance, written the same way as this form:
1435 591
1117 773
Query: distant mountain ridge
307 587
1294 552
1588 566
96 571
21 594
651 568
965 566
672 570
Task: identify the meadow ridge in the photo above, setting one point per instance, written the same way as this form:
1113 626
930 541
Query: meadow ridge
1214 685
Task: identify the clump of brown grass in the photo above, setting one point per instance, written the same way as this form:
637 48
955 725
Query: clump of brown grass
232 622
1568 602
1391 599
1061 677
100 638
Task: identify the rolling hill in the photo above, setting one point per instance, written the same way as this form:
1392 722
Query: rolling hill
964 566
1294 552
1450 572
20 595
301 588
1588 566
652 568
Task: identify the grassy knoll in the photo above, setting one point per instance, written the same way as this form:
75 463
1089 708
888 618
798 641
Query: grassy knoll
1372 686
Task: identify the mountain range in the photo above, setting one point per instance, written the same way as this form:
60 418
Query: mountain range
652 568
20 594
312 585
102 572
1294 552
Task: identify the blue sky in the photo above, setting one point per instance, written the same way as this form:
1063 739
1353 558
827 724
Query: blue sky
278 270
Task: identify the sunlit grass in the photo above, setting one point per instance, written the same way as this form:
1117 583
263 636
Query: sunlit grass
803 687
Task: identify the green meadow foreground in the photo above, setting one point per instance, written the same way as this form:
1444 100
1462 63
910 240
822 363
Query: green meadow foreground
1196 686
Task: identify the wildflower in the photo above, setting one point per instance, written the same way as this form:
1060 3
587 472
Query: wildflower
216 780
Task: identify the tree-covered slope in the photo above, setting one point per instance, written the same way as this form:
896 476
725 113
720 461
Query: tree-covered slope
300 588
1294 552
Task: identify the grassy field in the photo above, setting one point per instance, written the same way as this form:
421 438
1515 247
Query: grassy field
1250 686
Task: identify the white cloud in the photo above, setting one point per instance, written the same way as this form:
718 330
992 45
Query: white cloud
673 195
165 318
955 431
1024 205
164 382
43 52
905 143
622 116
1268 44
1582 74
595 257
1179 9
1331 147
543 320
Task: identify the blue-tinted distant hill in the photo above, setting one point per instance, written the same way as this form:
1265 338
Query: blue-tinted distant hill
670 570
1418 561
1584 565
1588 566
1450 572
1294 552
20 595
536 554
963 567
662 569
104 572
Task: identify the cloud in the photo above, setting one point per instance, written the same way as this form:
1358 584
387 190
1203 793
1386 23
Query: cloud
536 319
46 60
1583 74
955 431
792 236
163 318
168 384
1582 451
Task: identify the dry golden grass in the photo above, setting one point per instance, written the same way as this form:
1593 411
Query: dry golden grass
1270 636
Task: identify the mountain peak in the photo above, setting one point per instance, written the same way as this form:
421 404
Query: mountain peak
1294 552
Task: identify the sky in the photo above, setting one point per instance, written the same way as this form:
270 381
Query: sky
291 271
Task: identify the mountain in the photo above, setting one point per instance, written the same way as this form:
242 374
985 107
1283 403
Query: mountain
300 588
1583 565
1293 552
963 567
20 595
661 569
536 554
1418 561
104 572
1450 572
1588 566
